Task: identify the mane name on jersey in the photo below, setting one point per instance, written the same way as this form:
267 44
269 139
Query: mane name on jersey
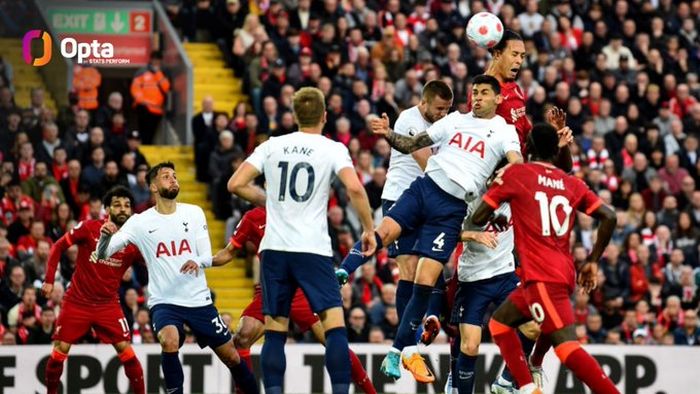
549 182
162 248
300 150
469 144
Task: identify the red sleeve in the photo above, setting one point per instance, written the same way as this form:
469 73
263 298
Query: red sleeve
499 193
589 201
242 233
57 250
78 233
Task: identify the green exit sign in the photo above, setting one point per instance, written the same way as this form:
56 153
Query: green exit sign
64 20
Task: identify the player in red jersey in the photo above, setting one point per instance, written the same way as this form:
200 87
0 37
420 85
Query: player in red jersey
543 200
251 229
92 300
507 58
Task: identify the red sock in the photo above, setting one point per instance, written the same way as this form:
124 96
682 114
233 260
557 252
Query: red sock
133 370
512 351
54 369
245 356
541 348
359 375
585 367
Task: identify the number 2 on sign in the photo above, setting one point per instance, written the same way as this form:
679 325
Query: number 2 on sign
548 214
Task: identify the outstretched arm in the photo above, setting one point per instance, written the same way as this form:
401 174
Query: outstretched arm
588 272
402 143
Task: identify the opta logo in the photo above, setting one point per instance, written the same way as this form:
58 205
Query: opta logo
27 48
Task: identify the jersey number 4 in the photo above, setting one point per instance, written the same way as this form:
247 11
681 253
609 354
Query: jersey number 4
310 176
548 214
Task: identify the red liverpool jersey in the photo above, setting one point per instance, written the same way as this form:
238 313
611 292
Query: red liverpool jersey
92 283
543 200
512 109
251 228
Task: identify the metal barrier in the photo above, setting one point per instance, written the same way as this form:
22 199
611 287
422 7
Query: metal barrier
179 69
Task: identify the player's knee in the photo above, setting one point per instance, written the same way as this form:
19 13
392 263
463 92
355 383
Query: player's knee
243 339
564 350
469 346
62 347
169 342
531 330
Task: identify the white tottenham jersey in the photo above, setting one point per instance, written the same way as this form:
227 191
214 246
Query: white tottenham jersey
299 169
403 168
477 261
166 242
469 149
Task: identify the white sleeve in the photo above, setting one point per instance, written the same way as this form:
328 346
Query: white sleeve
203 242
342 159
126 234
510 141
259 156
439 130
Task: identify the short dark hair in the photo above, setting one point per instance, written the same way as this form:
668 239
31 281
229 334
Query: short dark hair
543 142
154 170
488 80
437 88
508 35
117 191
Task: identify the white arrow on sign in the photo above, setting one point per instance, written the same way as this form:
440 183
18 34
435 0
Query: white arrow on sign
117 24
100 21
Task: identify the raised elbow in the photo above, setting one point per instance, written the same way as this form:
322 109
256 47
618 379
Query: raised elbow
233 186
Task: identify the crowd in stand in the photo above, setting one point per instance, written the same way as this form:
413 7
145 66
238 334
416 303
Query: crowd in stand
626 72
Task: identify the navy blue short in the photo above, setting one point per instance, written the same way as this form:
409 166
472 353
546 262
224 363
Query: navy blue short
281 273
403 245
473 298
204 321
434 215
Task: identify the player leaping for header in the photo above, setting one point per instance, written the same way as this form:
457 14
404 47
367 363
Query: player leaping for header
470 146
543 200
174 241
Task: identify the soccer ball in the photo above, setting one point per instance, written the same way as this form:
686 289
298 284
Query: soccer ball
485 30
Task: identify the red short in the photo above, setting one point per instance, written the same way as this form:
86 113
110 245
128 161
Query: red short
107 320
300 312
547 303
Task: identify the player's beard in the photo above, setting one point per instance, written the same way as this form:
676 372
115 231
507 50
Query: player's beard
169 194
118 219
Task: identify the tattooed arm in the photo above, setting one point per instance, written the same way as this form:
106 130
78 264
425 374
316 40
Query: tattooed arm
401 143
406 144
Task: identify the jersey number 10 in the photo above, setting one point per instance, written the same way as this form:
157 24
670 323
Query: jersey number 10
310 176
548 214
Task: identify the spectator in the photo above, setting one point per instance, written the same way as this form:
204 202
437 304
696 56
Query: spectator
203 131
105 114
689 334
358 328
149 90
368 286
388 298
24 317
41 334
86 81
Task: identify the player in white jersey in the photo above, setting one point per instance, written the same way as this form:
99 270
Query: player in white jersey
486 272
173 240
405 168
296 249
469 148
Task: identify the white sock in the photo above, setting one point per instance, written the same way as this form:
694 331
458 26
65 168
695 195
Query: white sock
408 351
528 388
395 350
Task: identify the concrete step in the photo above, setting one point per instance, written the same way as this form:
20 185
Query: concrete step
232 303
225 272
246 294
208 63
230 283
